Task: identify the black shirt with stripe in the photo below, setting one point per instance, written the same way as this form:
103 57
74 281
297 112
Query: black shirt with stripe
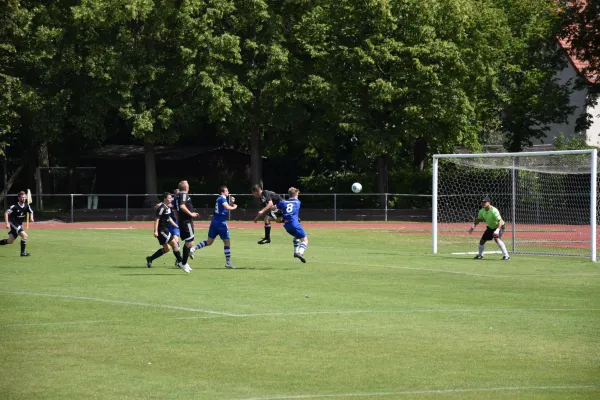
163 213
17 213
184 198
268 195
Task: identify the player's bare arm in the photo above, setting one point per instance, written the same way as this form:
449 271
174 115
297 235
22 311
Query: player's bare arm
475 223
268 207
173 224
497 230
228 206
156 220
188 212
6 220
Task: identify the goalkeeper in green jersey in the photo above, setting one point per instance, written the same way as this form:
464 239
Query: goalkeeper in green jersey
495 228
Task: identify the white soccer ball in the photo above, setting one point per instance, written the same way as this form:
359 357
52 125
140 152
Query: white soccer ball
356 187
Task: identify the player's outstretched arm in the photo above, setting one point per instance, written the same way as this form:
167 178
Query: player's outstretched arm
475 223
6 220
266 208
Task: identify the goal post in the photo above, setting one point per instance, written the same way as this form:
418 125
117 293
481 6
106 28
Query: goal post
548 200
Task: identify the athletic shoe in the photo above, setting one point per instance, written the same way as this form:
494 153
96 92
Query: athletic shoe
229 265
25 254
192 251
149 262
186 268
300 256
477 257
506 258
264 241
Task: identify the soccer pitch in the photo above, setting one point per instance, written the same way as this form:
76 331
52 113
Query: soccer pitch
372 315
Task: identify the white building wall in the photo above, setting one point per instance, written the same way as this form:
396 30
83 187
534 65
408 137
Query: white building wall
578 98
593 133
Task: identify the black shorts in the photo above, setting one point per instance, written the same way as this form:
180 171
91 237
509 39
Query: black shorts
15 230
186 227
489 234
164 236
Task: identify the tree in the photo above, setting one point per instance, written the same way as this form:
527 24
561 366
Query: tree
165 62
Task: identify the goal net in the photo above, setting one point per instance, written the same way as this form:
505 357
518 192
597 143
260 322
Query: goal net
547 200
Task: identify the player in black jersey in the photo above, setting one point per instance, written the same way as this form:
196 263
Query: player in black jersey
184 213
14 218
162 233
268 213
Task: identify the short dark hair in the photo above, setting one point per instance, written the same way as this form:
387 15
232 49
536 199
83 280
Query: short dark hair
166 194
222 188
21 193
256 188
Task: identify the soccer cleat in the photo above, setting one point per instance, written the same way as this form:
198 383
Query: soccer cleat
229 265
25 254
149 262
264 241
506 258
186 268
300 256
478 257
192 251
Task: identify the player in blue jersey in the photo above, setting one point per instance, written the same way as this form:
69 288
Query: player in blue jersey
290 209
218 225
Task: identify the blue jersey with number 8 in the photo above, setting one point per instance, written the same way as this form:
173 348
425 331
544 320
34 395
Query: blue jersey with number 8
290 209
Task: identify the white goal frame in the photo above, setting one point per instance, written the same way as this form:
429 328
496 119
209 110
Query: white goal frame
593 189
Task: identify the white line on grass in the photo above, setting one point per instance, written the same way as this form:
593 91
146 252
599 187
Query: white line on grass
92 322
417 392
418 311
131 303
216 313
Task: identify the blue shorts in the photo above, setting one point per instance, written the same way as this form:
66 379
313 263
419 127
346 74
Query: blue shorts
295 230
218 228
174 231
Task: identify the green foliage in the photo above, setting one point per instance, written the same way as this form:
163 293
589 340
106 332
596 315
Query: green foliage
335 85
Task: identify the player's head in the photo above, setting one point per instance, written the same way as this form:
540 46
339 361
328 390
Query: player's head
175 192
293 192
167 198
257 190
223 190
22 197
486 202
184 186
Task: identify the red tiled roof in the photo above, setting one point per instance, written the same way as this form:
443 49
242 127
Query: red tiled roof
582 66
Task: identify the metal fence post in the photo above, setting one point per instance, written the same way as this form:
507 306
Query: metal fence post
386 207
126 207
72 207
335 207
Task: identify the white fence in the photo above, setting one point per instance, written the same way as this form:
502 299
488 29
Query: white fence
315 206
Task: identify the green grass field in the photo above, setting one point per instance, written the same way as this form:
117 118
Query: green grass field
372 315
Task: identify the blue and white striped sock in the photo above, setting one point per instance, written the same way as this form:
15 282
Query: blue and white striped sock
227 251
296 244
201 245
301 248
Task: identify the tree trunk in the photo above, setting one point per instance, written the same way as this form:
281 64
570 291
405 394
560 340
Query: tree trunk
42 179
9 183
150 163
256 156
382 179
420 152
